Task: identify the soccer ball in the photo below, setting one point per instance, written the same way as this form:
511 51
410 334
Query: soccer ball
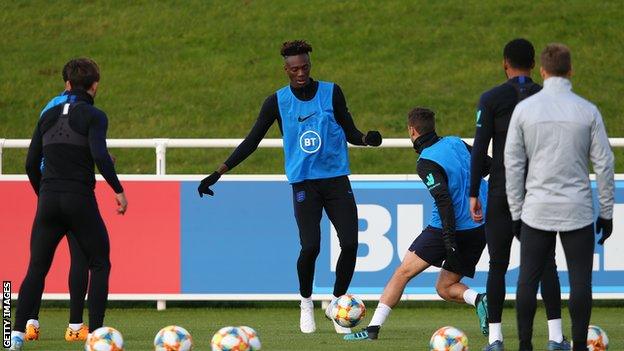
252 336
448 339
597 339
348 311
104 339
230 339
173 338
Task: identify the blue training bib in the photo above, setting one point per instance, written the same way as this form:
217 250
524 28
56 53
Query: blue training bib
452 155
315 146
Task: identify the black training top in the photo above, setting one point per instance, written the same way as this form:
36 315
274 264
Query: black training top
270 112
493 116
71 146
441 193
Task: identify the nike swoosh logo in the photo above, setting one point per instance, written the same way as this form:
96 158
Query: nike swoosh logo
301 119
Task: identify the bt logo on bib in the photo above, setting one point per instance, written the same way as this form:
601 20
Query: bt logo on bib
310 142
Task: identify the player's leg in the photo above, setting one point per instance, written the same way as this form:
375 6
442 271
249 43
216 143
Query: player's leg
578 246
90 232
78 283
499 239
47 231
426 250
470 246
411 266
339 204
551 294
308 210
534 249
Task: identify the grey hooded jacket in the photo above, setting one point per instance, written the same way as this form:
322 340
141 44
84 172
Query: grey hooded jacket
558 133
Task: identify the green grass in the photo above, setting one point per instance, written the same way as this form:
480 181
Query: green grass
408 328
198 69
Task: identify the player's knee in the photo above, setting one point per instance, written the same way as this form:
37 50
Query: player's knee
499 267
443 291
406 272
310 251
350 247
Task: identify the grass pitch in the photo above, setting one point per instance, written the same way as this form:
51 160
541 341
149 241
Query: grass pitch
201 69
409 327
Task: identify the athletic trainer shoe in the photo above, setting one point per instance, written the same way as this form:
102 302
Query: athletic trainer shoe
32 331
16 343
369 333
482 313
77 335
495 346
306 320
563 345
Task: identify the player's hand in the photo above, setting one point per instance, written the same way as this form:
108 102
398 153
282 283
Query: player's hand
476 211
206 183
452 257
122 203
452 261
516 228
113 158
604 226
373 138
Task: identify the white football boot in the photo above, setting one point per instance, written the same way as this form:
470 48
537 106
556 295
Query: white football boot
306 321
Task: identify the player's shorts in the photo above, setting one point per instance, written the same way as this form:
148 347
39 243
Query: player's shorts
429 246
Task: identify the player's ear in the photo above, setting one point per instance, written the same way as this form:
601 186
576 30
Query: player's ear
68 86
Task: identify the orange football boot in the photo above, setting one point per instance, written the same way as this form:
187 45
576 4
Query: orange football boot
77 335
32 332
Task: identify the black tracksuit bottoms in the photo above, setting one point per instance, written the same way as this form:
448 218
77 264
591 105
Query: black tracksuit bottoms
57 214
334 195
499 239
536 244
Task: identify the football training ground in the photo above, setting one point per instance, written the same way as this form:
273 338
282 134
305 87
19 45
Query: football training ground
409 327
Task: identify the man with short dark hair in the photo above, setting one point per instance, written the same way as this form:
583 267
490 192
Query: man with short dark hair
316 126
493 114
452 240
553 135
72 138
79 267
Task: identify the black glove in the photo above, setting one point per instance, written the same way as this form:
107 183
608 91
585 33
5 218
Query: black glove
451 261
606 227
516 227
373 138
206 183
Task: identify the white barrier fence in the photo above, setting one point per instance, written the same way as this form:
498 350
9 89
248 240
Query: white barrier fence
162 144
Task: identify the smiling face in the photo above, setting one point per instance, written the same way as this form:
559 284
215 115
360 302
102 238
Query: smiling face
297 68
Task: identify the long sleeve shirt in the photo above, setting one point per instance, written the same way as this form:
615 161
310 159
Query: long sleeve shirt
269 113
70 155
558 133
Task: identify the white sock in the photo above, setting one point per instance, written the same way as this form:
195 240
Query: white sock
381 313
554 330
16 333
496 332
307 301
33 322
75 326
470 296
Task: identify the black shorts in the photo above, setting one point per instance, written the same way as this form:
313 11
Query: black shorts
429 246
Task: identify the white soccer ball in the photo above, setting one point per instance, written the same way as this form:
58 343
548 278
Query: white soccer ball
597 339
448 339
252 337
348 311
230 339
104 339
173 338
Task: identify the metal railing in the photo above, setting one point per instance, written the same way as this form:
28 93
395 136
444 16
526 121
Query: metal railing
162 144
